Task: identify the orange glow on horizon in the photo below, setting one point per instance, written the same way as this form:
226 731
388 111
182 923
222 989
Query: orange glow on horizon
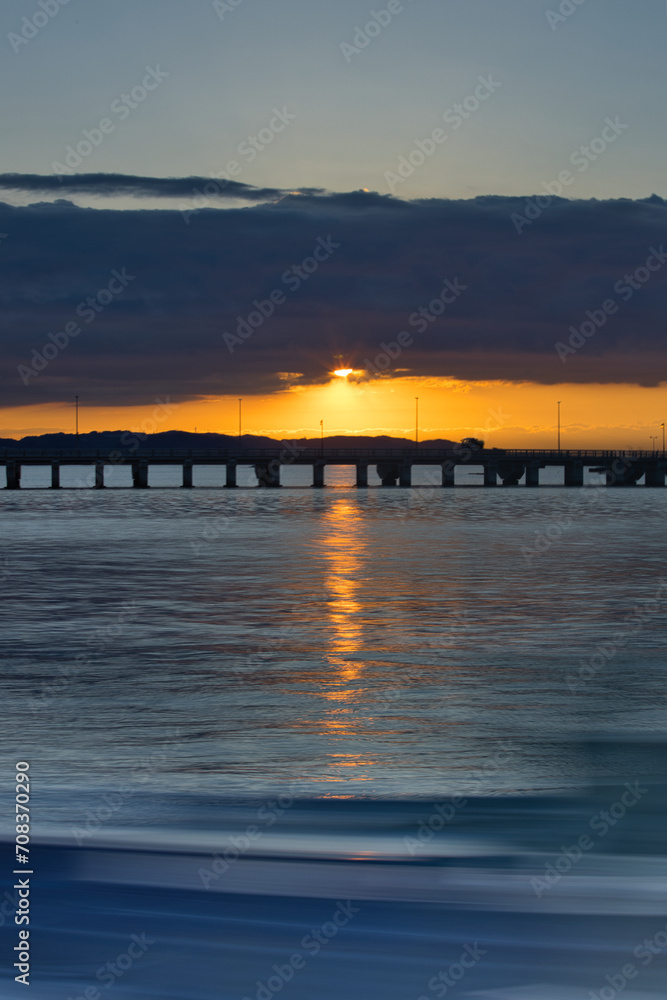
504 414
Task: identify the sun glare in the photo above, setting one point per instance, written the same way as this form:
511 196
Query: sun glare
343 372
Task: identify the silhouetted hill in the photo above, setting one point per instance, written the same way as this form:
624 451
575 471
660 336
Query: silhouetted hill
112 440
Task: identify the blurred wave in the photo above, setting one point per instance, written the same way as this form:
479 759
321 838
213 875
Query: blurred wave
526 897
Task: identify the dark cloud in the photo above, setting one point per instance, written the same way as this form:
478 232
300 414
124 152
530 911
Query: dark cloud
109 185
194 275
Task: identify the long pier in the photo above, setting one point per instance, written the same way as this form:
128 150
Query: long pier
507 467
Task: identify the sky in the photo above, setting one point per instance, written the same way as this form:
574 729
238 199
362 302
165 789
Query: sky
459 200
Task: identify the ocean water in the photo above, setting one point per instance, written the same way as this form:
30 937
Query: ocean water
330 668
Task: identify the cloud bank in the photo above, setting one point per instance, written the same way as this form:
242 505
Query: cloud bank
110 185
199 303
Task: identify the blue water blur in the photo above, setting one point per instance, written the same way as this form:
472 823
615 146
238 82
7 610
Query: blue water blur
179 659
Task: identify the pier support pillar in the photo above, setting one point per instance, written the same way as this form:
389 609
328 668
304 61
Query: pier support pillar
187 475
615 474
318 475
574 474
405 475
511 472
490 473
362 475
448 473
389 473
623 472
55 475
140 475
655 474
532 474
99 475
13 475
230 476
268 474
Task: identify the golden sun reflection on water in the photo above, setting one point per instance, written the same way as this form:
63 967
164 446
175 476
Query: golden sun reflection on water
345 554
344 551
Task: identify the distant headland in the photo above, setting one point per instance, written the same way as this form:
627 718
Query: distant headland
113 440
